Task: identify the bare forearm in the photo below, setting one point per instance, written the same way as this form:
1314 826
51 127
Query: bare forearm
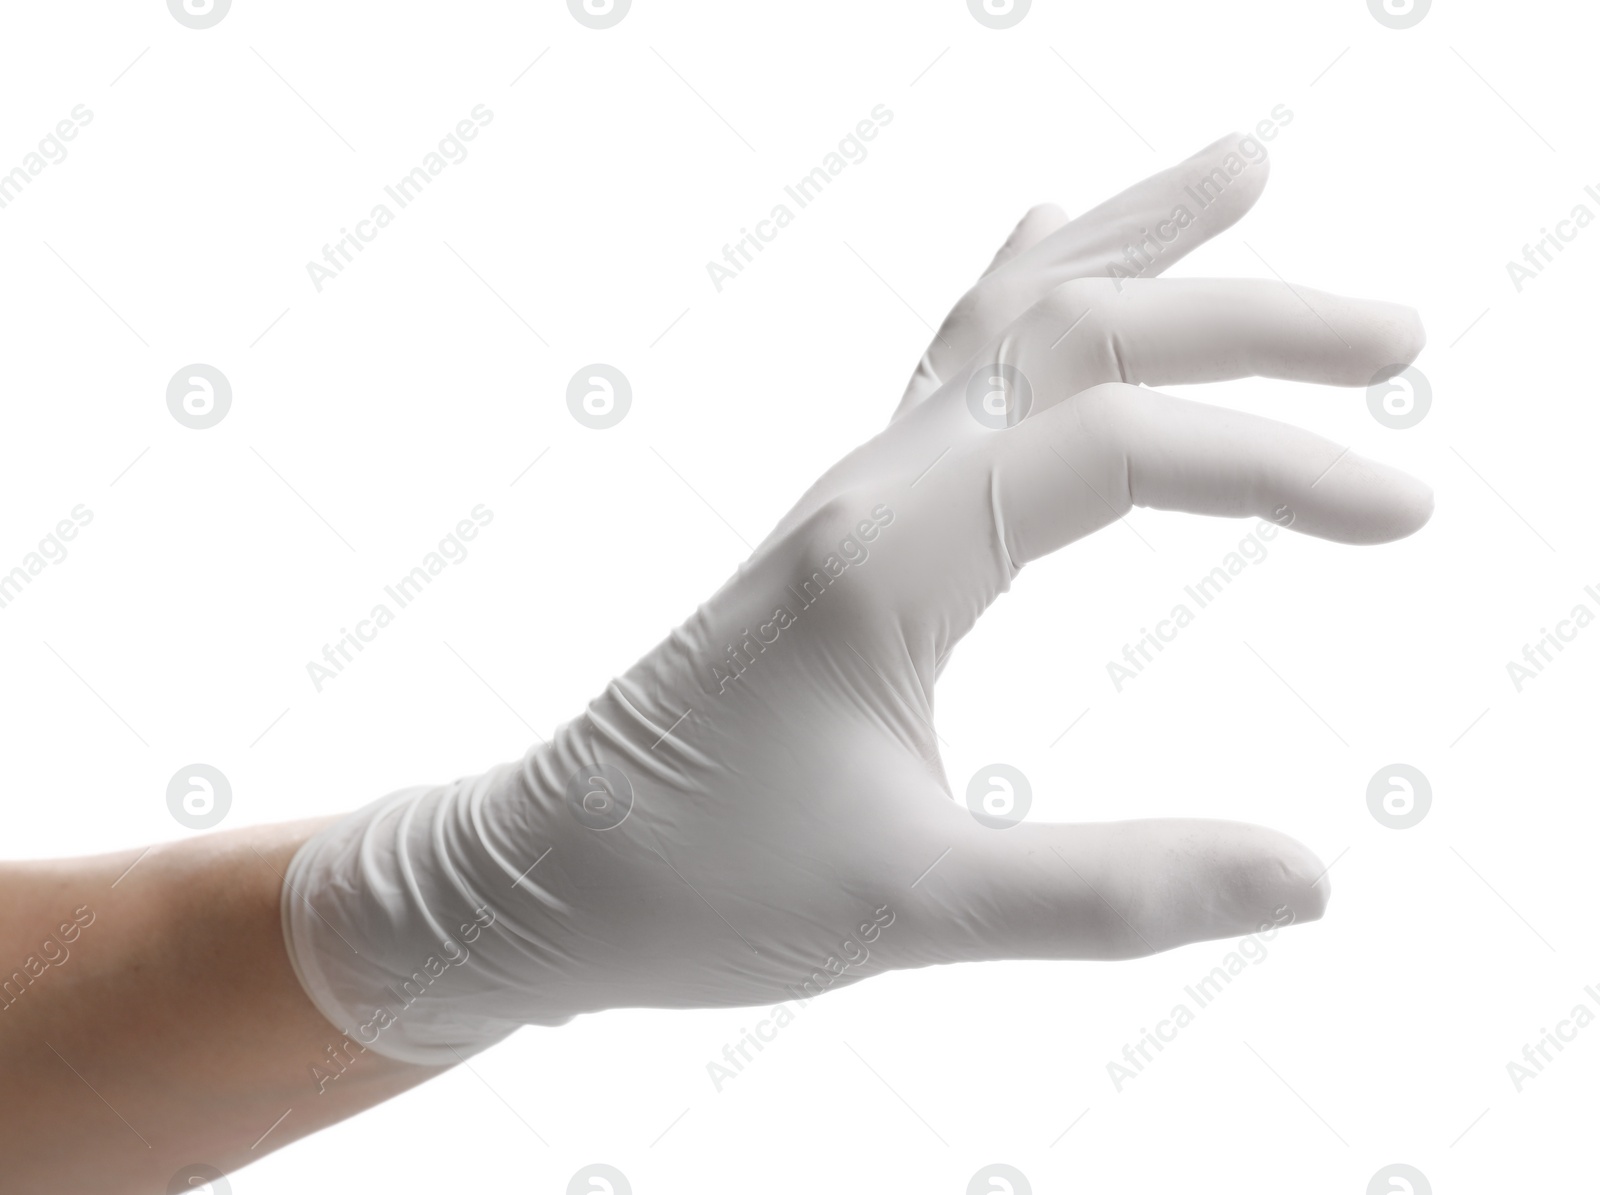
150 1018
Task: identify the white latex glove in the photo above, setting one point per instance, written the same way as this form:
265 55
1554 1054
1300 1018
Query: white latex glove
786 826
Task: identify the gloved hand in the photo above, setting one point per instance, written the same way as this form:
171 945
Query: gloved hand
757 811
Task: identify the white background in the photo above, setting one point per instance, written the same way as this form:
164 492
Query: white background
179 626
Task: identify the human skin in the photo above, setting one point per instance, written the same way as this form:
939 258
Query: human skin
113 1082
